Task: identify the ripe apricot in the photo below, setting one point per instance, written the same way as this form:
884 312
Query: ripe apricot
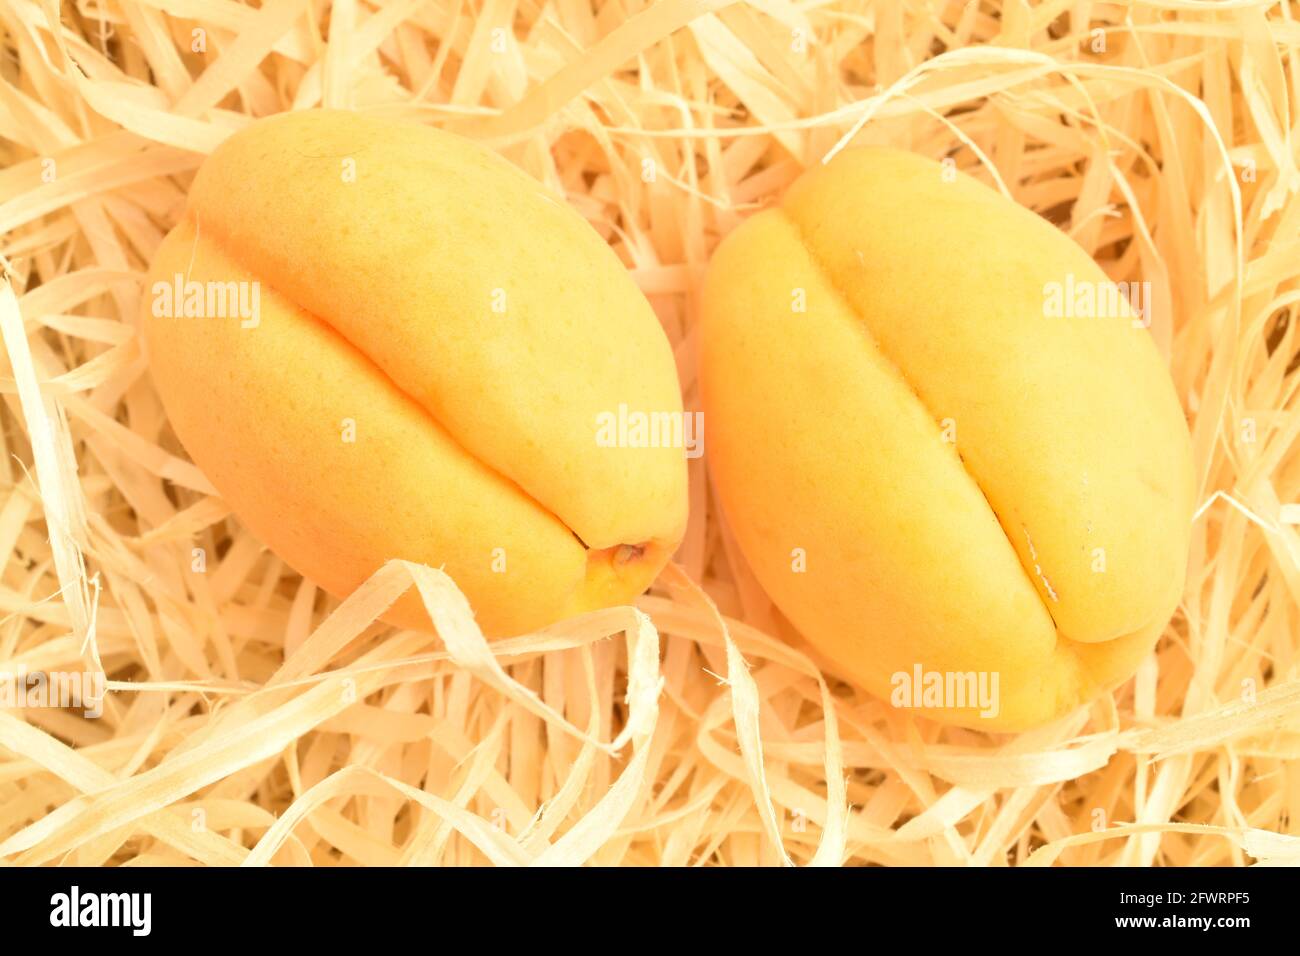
435 340
932 466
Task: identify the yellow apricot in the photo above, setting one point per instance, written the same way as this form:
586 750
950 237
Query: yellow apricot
935 465
434 341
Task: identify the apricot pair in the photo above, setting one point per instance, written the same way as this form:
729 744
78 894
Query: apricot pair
926 471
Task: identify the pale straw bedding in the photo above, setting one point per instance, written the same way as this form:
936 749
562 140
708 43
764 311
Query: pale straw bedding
251 719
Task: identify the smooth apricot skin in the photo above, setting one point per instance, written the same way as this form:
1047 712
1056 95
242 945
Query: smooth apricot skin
924 467
437 339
